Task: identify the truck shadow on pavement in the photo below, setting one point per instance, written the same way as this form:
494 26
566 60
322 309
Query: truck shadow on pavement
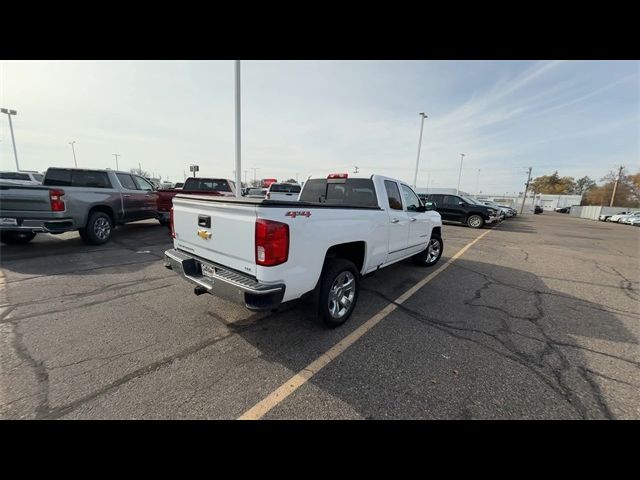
481 341
67 254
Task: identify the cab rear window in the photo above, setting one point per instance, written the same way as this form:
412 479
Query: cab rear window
284 188
355 191
74 178
207 184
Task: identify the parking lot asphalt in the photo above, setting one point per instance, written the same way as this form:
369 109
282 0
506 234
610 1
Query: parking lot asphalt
539 319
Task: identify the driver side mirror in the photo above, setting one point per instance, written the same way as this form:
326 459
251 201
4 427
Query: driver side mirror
429 206
462 204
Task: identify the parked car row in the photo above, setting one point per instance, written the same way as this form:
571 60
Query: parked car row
467 210
626 217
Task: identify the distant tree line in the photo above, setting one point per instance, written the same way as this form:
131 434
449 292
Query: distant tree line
627 192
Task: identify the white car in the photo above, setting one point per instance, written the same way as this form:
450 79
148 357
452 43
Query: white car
635 221
21 178
627 218
622 218
256 193
283 191
261 253
617 216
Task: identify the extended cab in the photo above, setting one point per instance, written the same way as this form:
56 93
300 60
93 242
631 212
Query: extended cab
90 201
196 185
261 252
457 208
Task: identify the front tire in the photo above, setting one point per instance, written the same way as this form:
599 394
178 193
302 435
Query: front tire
338 292
430 255
16 238
475 221
98 229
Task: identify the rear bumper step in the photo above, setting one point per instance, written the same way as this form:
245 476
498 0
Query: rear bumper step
223 282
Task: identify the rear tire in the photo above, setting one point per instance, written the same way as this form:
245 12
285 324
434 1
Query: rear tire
339 287
16 238
98 229
475 221
430 255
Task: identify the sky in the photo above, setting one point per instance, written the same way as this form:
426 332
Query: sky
302 118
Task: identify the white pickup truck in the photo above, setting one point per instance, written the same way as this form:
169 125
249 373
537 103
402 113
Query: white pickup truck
261 253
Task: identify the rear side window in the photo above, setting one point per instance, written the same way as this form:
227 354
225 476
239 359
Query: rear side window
355 191
209 184
72 178
393 194
14 176
126 181
284 188
142 184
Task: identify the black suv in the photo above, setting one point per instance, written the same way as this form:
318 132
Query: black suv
456 208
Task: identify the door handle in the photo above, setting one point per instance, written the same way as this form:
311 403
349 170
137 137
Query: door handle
126 195
412 220
395 220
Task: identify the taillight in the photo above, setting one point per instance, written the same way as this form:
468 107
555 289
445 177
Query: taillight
171 227
272 242
55 197
338 175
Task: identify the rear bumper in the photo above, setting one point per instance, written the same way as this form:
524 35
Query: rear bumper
224 283
40 225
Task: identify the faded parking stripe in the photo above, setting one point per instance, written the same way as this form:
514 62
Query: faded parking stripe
261 408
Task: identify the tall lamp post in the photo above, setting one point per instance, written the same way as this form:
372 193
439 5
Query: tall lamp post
415 176
117 155
238 162
460 174
74 153
13 140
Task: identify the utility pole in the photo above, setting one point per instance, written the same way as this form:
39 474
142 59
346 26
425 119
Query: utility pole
460 174
15 152
74 153
245 177
415 176
238 162
254 175
478 183
615 186
139 169
524 198
117 155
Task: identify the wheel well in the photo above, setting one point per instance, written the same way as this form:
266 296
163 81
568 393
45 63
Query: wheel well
353 251
475 213
102 208
437 231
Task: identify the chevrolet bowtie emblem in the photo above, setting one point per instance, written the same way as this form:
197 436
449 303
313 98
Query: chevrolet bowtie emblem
204 234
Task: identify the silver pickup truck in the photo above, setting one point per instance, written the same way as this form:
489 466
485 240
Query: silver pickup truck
92 202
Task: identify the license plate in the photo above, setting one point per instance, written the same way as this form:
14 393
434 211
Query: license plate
8 221
207 270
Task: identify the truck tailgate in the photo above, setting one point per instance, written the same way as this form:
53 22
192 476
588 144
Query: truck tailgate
24 198
228 240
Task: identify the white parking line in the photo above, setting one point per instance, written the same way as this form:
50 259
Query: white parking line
277 396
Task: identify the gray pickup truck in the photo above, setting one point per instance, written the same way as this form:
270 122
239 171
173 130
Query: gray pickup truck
92 202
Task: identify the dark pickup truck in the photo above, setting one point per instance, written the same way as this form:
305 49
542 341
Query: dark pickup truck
458 208
92 202
193 185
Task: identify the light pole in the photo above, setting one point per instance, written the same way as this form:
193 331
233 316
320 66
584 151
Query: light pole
415 176
15 152
460 174
254 175
238 162
478 183
117 155
74 153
